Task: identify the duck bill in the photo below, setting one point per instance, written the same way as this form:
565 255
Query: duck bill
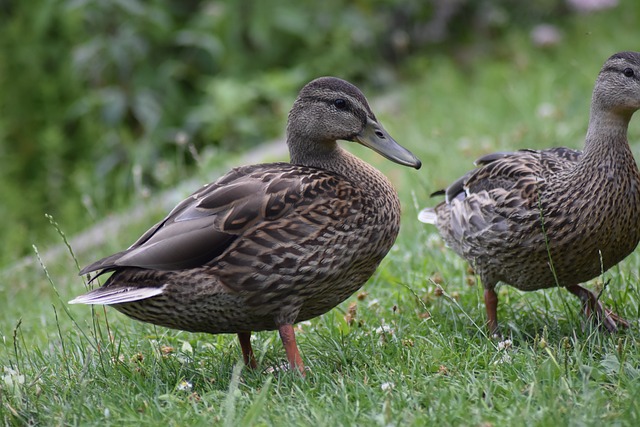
375 137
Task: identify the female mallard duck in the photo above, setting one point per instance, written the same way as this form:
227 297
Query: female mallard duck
556 217
273 244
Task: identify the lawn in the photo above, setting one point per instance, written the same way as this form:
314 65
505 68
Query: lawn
410 348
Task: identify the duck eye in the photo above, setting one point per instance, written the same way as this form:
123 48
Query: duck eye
628 72
340 104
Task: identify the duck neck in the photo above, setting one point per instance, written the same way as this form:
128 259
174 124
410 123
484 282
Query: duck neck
310 152
606 135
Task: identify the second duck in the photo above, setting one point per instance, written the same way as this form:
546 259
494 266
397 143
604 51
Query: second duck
557 217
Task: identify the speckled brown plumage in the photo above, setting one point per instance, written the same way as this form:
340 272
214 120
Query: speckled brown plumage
556 217
268 245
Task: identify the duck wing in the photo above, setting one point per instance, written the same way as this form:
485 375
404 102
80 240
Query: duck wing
204 225
504 190
511 171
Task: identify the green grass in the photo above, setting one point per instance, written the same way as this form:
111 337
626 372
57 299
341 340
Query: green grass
417 352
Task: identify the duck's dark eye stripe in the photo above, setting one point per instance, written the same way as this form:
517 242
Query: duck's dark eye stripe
627 71
339 103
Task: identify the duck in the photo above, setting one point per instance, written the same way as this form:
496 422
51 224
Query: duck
268 245
558 217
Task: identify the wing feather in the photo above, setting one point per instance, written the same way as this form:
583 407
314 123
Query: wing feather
117 295
208 222
504 189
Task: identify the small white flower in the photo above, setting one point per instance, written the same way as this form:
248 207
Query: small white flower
382 330
387 386
505 345
185 386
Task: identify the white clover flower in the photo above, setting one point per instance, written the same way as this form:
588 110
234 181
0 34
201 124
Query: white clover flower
387 386
505 345
185 386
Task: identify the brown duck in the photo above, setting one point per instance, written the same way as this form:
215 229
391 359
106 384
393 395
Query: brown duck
268 245
556 217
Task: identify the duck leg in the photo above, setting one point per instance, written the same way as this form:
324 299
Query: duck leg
591 306
491 305
247 350
288 337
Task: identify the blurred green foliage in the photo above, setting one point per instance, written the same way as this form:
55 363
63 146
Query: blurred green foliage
100 99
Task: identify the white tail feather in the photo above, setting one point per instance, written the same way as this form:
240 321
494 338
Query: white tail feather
116 296
428 216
